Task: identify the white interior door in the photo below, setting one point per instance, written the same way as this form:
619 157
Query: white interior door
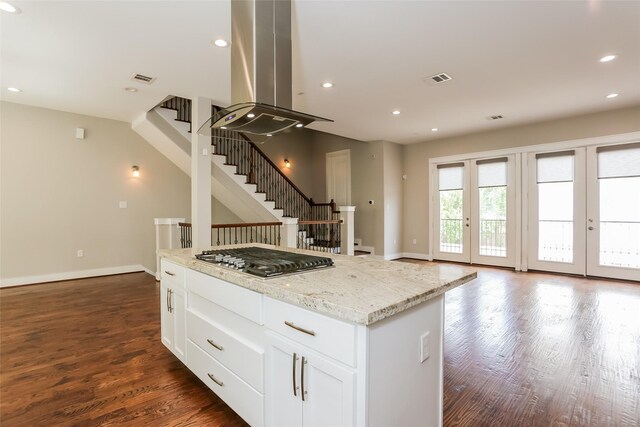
556 216
613 211
493 211
339 177
452 213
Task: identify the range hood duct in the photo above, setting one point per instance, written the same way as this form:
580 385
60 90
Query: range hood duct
260 71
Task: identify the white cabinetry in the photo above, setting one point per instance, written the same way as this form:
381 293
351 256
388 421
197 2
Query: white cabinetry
308 383
173 308
226 343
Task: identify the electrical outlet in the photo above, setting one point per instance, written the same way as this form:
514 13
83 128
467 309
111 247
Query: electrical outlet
122 204
80 253
424 347
415 241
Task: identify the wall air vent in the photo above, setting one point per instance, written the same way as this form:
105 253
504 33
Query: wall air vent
143 79
438 78
497 117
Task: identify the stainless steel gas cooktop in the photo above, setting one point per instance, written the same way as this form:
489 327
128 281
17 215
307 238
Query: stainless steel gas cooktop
264 262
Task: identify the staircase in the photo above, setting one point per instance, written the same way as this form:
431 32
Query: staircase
244 163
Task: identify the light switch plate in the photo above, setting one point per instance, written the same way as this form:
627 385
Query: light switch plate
123 204
424 347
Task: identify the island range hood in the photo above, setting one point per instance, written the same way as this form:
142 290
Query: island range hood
260 71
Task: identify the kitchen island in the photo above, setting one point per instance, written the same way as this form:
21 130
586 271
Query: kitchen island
356 344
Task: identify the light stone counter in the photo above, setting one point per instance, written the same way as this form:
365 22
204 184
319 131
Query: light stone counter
357 289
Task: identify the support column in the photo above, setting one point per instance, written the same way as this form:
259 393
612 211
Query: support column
167 237
289 235
347 229
200 175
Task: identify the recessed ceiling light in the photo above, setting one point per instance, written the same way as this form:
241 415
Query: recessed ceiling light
608 58
395 112
612 95
251 115
131 89
327 85
434 130
269 134
14 89
221 43
299 125
8 7
223 127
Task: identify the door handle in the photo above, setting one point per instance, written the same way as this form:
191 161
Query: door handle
590 228
295 357
304 362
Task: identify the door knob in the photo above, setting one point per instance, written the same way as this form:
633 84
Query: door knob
590 228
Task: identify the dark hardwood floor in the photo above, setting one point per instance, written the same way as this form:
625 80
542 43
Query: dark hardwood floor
521 349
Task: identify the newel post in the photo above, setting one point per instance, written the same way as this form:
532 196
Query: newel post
167 237
289 236
347 229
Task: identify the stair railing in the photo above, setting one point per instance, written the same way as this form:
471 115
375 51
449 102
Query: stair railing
250 161
232 234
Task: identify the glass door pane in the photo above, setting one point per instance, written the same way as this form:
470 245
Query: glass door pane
452 217
556 211
493 211
613 223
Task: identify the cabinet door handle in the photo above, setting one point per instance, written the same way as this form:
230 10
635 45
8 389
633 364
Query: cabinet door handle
170 301
304 362
215 380
298 328
219 347
170 273
295 357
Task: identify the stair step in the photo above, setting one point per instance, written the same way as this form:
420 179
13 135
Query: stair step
183 121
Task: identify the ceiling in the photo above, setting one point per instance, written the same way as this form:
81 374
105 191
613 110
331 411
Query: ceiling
527 61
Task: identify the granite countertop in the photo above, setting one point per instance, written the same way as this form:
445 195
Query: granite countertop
359 289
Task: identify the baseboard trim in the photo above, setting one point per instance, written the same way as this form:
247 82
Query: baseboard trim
425 257
70 275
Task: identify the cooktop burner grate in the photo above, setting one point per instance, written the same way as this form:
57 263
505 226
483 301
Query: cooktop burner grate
264 262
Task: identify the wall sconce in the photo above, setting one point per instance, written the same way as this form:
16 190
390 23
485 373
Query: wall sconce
135 171
287 164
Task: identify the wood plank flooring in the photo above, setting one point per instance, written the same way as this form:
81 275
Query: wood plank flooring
521 349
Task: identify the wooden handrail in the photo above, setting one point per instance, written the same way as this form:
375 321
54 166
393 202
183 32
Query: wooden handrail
241 224
246 224
328 221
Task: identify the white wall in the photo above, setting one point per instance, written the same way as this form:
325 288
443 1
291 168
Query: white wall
60 194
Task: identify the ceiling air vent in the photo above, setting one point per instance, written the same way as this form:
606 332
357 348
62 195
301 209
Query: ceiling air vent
438 78
142 79
497 117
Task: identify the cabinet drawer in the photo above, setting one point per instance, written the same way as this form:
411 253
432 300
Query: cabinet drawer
243 399
324 334
235 298
238 356
172 273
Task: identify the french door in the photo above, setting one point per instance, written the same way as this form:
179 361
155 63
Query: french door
584 211
476 210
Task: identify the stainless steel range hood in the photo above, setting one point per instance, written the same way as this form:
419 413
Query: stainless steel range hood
260 71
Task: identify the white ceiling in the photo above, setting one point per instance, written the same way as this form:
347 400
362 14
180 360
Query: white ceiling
528 61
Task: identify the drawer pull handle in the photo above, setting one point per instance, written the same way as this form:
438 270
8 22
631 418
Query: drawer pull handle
220 383
219 347
295 388
170 273
298 328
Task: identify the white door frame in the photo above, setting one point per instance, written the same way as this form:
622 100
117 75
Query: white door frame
511 230
465 256
578 266
593 221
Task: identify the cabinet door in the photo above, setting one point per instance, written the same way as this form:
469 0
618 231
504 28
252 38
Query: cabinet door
166 318
179 313
329 398
283 402
328 388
